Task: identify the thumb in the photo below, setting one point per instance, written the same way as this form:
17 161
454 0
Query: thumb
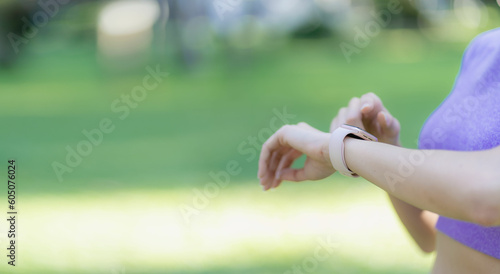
293 174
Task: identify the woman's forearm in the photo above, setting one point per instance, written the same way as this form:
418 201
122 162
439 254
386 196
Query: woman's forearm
419 223
460 185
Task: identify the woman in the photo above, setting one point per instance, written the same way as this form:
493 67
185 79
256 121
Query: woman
446 193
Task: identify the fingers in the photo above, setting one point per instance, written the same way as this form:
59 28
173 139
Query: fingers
276 157
300 139
389 125
268 148
297 137
360 112
377 119
276 152
339 119
384 119
369 113
285 162
271 164
371 105
294 175
353 113
334 124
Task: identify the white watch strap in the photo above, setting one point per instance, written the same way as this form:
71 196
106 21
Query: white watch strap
336 149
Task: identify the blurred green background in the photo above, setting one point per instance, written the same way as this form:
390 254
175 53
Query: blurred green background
121 209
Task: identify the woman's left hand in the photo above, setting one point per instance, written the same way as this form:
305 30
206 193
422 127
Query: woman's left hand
369 113
285 146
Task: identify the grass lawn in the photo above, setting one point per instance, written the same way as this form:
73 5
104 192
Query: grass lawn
243 230
196 121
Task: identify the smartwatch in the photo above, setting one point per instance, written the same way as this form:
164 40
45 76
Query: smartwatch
336 147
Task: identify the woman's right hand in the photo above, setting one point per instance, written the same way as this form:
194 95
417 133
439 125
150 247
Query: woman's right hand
369 113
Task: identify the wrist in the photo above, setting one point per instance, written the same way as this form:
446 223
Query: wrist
350 145
337 150
325 151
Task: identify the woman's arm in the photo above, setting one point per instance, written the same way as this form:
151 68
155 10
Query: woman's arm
460 185
421 224
369 113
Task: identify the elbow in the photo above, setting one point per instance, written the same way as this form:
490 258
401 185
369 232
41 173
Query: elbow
427 249
485 202
427 244
486 215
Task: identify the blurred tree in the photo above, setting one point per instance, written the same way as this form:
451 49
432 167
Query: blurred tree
10 14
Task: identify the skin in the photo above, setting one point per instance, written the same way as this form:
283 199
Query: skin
439 184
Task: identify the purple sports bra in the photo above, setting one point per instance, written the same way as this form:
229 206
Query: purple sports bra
469 119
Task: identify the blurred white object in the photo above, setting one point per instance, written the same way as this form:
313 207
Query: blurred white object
288 15
470 13
125 27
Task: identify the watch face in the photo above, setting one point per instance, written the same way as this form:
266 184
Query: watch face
361 133
351 127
